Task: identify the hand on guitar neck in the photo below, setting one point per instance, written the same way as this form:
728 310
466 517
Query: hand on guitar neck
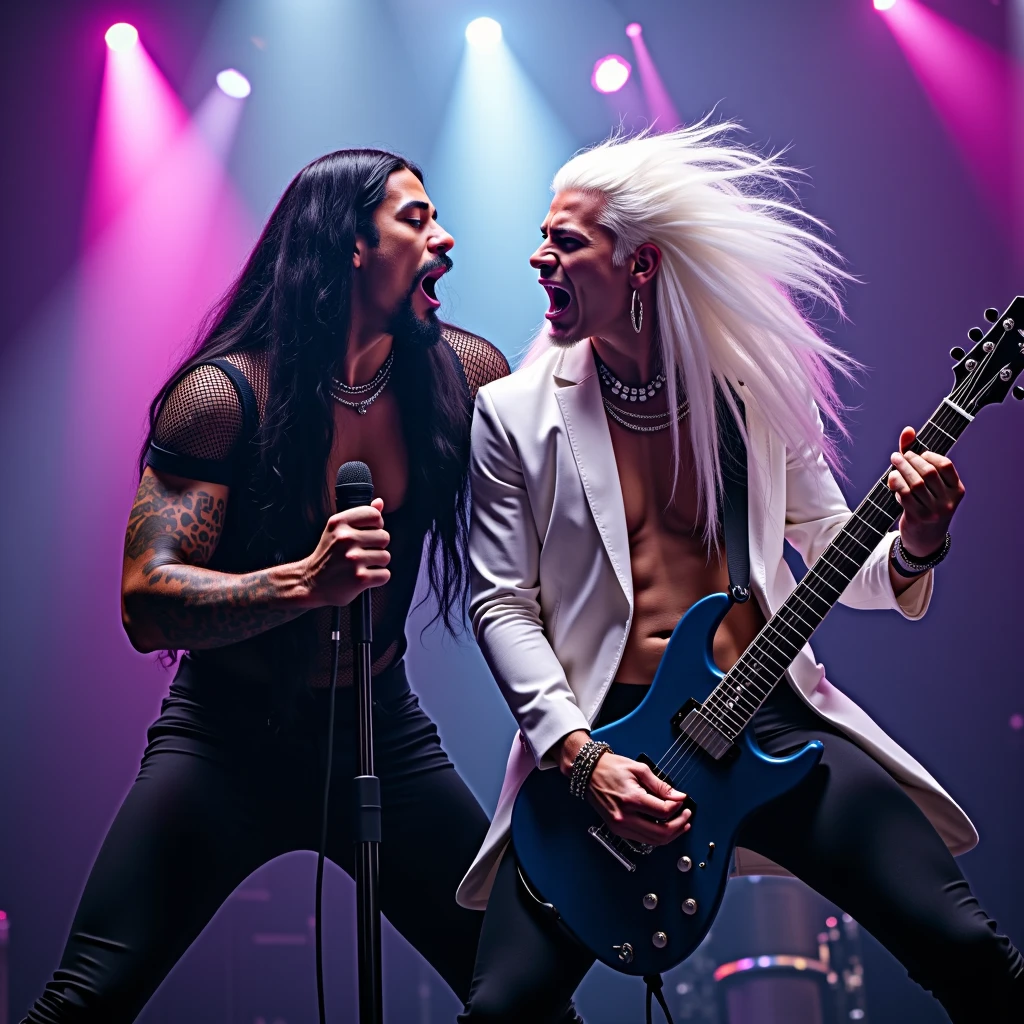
929 488
634 802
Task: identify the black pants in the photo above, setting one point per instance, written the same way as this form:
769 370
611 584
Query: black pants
221 791
848 831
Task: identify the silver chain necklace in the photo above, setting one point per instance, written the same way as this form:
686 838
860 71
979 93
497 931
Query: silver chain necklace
654 423
637 422
348 395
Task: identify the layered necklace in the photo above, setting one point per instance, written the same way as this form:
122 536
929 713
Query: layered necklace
361 396
638 422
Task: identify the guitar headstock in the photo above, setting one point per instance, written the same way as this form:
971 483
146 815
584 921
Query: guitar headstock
985 375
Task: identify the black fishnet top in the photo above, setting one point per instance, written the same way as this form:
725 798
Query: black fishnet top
202 433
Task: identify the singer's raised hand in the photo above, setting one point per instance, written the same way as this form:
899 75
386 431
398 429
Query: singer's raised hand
352 555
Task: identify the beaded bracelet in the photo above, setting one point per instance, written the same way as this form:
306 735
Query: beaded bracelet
907 566
583 766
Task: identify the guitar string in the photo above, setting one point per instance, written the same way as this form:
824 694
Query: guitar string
944 417
693 748
690 745
687 751
730 706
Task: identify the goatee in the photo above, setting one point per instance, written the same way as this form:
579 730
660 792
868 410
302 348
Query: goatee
405 326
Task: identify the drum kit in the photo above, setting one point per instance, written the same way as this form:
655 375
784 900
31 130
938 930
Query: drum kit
777 954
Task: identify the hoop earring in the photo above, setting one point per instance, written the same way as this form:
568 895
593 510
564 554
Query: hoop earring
636 311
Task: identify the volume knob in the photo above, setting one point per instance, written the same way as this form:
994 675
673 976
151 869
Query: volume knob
689 907
660 940
684 863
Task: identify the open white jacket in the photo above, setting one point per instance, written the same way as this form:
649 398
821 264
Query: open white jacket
552 594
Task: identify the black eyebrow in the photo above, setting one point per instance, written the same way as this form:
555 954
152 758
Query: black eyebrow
418 204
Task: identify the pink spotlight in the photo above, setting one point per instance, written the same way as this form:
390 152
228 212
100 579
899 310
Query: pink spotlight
611 73
122 36
884 5
233 83
633 29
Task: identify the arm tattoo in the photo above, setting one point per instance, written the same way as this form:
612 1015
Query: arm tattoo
174 534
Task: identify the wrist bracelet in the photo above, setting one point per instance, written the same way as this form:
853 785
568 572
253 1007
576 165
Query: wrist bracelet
583 765
908 566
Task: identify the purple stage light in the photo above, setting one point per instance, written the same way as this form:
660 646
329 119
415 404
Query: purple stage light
611 73
1017 722
884 5
633 29
122 36
233 83
971 85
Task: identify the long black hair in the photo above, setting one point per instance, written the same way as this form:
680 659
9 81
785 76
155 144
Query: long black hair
293 301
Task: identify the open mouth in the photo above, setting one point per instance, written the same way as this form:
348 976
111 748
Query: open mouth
428 285
560 300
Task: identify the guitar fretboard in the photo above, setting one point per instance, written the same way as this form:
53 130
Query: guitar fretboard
736 699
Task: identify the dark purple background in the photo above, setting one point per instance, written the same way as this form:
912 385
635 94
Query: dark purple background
75 700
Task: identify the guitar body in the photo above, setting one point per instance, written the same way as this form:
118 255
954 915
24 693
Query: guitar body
599 884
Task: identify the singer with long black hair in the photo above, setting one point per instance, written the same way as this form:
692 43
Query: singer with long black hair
326 349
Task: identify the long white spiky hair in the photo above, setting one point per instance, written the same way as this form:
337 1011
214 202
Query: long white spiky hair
739 261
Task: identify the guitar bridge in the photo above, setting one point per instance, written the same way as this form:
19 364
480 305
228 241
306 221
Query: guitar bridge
600 833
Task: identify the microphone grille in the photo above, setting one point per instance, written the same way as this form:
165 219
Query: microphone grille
353 473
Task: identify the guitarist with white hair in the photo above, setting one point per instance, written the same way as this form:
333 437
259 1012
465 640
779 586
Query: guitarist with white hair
674 268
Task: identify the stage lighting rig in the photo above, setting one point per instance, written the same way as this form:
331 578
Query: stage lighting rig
483 34
611 73
233 83
122 36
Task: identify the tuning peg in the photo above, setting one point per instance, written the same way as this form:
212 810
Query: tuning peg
957 353
975 334
1018 393
991 315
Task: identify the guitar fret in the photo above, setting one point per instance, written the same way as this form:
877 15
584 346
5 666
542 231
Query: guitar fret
814 573
793 611
745 687
837 569
788 656
785 638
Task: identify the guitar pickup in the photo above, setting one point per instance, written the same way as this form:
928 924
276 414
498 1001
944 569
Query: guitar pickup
692 722
687 805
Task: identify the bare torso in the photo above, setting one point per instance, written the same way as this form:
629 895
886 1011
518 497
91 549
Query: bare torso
374 438
670 563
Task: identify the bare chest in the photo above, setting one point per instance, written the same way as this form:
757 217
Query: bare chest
377 439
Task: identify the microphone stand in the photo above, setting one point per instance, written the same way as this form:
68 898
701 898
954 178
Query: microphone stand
367 822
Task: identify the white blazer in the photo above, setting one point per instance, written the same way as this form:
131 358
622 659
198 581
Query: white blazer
552 593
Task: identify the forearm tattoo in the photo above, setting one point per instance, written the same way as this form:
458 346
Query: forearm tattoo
173 534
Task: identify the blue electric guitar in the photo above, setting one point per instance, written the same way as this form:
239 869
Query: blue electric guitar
642 909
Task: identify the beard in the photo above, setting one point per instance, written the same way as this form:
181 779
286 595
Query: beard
408 328
405 324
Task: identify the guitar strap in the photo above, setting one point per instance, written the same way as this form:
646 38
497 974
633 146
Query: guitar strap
732 514
733 510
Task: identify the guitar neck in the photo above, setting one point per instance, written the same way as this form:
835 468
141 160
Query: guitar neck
742 691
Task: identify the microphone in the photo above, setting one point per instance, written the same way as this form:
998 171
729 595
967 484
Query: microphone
353 486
